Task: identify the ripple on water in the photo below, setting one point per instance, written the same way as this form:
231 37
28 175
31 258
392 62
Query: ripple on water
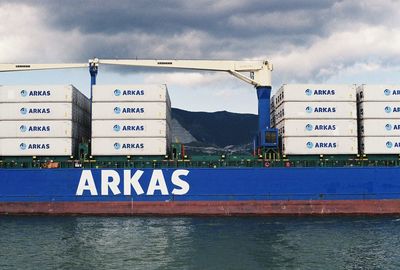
199 243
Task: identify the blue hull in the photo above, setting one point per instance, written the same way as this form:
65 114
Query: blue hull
350 188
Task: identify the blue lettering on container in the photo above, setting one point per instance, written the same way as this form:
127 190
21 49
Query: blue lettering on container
39 128
325 92
325 109
38 93
39 110
325 145
35 93
39 146
325 127
133 93
133 128
132 146
133 110
23 146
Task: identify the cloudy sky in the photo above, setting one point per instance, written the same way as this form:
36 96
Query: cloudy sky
307 41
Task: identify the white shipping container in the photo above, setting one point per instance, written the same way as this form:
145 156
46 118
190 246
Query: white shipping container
319 145
379 109
316 110
40 111
37 147
44 111
315 92
378 93
134 92
41 93
38 129
318 127
130 128
380 127
130 110
129 146
380 145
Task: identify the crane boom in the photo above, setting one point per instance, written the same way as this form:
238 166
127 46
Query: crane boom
26 67
260 70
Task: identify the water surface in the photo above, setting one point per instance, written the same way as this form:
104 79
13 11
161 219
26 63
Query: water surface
199 243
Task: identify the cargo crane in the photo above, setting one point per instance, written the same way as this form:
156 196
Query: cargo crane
260 77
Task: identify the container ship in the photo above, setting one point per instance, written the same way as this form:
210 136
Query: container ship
319 149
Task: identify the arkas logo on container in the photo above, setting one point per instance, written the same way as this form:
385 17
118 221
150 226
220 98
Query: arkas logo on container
117 128
311 145
118 146
390 127
118 92
320 92
389 109
390 145
310 127
35 93
24 128
112 180
388 92
24 146
310 109
25 111
24 93
118 110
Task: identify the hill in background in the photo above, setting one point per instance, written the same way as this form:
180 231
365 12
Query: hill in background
217 132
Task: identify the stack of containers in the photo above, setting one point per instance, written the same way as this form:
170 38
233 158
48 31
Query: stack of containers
317 119
379 118
129 120
43 120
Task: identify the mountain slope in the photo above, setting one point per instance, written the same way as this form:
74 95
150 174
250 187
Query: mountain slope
218 129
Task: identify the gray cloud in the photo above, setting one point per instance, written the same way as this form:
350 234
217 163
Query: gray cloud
168 17
224 22
285 31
